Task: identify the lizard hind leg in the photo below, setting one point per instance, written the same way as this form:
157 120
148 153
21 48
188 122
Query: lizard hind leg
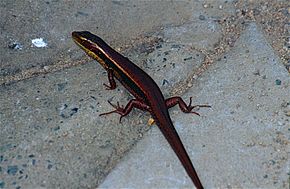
170 102
134 103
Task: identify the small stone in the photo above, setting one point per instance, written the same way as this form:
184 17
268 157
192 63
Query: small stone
49 166
56 128
201 17
31 156
159 46
140 135
256 72
285 104
189 85
278 82
46 68
194 77
165 82
12 169
188 58
2 184
15 46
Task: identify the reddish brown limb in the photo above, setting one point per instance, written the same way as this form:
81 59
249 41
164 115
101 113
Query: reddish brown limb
170 102
112 82
125 111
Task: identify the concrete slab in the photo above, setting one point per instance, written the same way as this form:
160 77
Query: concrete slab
242 142
50 118
117 22
44 116
51 135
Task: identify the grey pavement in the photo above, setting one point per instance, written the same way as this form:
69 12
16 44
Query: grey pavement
242 142
222 53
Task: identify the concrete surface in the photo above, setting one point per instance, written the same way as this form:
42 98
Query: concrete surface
226 53
242 142
117 22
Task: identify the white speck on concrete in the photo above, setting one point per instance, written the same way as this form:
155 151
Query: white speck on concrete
39 42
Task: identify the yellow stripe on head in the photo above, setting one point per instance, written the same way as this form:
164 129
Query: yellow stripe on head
80 41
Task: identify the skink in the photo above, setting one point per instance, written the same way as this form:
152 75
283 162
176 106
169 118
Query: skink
147 94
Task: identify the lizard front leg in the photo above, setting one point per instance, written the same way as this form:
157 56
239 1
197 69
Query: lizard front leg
112 83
